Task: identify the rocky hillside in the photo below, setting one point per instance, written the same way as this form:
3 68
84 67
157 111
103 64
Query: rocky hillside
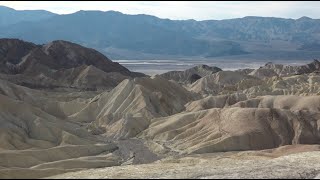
66 108
59 64
128 108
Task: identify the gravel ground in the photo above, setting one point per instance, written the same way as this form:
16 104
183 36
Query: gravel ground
296 166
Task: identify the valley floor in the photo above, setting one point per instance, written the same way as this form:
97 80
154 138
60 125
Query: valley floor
278 163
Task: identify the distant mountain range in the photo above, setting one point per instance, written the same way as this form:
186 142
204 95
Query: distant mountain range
9 16
121 36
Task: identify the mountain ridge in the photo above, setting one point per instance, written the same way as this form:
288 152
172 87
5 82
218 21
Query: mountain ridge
59 64
133 36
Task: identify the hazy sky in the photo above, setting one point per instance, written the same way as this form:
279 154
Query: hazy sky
199 10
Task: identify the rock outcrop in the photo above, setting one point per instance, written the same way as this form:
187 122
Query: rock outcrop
190 75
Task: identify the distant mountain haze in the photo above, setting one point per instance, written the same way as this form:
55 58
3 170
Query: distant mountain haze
121 36
9 16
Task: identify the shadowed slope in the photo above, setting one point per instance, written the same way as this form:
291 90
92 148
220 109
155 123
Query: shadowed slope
59 64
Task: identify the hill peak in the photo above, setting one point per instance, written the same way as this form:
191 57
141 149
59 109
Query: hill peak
5 8
305 18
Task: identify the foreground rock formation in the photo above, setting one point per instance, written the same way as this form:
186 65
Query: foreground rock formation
66 108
